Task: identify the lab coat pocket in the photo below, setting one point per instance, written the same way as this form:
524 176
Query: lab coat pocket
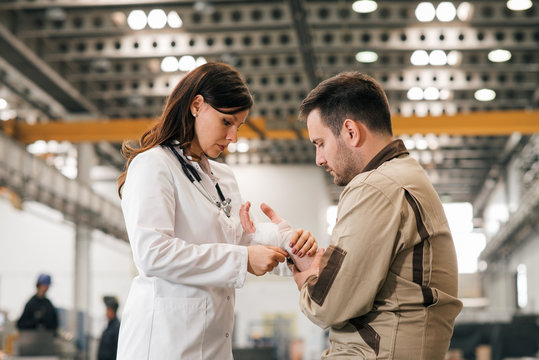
178 328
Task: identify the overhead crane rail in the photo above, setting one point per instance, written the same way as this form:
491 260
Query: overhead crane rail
32 179
118 130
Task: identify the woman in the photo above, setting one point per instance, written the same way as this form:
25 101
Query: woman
182 217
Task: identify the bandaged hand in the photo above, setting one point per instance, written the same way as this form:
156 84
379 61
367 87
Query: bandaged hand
300 244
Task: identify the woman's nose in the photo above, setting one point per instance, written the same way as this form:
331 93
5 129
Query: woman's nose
232 134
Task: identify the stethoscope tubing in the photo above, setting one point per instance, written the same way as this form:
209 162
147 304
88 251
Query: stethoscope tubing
194 177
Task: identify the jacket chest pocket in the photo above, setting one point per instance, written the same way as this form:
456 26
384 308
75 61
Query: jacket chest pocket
178 327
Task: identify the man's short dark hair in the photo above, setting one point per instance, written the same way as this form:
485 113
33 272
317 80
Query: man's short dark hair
349 95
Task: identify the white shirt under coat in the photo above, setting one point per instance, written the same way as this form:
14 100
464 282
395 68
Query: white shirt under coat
187 253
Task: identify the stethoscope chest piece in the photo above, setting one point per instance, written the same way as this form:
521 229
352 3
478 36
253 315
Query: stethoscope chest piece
225 206
196 180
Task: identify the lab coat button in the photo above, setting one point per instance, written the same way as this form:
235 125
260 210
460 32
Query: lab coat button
226 335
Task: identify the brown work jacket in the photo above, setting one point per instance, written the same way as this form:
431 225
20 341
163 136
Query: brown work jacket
387 284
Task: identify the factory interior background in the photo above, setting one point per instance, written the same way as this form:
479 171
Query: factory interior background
77 78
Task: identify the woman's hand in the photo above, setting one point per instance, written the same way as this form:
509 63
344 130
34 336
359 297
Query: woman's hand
264 258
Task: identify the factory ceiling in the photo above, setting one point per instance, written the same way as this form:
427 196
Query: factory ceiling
78 60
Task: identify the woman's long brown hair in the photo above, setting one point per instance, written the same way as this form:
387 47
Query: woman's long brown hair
222 88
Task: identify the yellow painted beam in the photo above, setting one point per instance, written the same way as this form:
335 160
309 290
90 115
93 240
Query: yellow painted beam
118 130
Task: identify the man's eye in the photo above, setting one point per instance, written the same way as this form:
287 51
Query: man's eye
226 122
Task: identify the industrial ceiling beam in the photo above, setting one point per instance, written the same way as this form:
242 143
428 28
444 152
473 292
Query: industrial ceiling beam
481 123
21 57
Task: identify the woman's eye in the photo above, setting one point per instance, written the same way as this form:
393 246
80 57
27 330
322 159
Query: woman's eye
226 122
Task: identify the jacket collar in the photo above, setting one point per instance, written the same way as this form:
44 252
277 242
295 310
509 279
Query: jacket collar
391 151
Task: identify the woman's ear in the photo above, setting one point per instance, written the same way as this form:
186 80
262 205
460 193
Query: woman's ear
196 104
351 132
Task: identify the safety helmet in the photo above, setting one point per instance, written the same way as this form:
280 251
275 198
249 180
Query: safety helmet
44 279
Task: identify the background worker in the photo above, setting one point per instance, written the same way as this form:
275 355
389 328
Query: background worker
108 345
39 313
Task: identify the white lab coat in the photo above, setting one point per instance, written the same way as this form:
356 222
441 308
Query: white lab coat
187 253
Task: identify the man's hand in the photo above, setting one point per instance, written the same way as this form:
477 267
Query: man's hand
302 243
301 276
264 258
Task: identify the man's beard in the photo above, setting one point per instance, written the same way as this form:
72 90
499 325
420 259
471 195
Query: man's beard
348 165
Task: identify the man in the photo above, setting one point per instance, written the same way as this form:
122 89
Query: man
387 284
39 313
109 339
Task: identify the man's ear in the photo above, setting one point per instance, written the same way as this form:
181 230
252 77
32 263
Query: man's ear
196 104
351 132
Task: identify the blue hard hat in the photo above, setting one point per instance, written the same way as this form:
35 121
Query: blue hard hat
44 279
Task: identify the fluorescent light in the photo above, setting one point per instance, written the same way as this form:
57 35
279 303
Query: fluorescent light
464 11
366 56
419 57
157 19
415 93
187 63
437 57
242 146
200 61
454 57
519 5
499 55
446 11
485 95
445 94
431 93
364 6
425 12
174 20
3 104
137 19
169 64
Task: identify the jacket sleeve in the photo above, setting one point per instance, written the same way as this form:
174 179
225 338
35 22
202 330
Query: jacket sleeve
148 204
355 265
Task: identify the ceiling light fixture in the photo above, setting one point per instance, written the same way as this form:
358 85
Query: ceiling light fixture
157 19
446 11
431 93
3 104
200 61
425 12
519 5
366 56
499 55
419 58
174 20
137 20
169 64
415 93
187 63
438 58
465 11
454 57
485 95
364 6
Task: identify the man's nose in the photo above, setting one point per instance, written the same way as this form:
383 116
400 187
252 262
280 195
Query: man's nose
320 159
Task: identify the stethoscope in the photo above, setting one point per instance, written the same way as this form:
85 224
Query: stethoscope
193 176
